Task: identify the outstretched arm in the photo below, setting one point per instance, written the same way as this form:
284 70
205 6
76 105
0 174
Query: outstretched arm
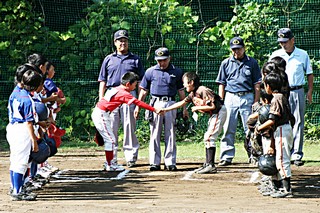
175 106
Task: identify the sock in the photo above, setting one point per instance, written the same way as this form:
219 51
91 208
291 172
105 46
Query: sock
27 174
109 156
11 178
207 156
17 182
33 169
277 184
286 184
210 155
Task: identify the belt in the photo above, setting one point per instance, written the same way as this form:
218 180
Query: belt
241 93
296 87
163 98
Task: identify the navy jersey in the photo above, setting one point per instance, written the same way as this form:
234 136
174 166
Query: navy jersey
162 82
115 66
50 87
20 106
239 76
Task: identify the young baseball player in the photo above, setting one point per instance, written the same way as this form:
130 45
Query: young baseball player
279 119
21 119
205 101
101 117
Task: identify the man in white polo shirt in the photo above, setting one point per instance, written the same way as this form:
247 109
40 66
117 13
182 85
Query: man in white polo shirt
298 65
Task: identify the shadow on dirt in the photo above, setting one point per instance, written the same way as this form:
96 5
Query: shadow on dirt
306 186
94 185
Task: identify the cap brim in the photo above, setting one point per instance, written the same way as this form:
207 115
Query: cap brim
236 46
121 37
160 57
283 39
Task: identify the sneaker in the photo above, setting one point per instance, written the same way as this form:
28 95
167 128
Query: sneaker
50 168
208 169
113 168
10 191
23 196
44 172
171 168
224 163
298 162
131 164
155 168
282 193
32 187
200 168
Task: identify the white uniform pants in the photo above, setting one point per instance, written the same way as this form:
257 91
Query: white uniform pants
102 121
20 143
283 137
215 125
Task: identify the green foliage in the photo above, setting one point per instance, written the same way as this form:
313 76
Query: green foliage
91 39
143 132
311 130
22 31
3 114
253 22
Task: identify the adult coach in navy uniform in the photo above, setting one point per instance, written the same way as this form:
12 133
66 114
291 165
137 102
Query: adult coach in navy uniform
239 81
163 81
298 65
113 67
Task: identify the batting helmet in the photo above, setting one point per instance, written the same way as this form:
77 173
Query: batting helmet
264 113
42 111
267 165
43 153
52 145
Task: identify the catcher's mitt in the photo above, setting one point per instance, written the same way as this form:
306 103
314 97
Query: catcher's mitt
98 139
264 113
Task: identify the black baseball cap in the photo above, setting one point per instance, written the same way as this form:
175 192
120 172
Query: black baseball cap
162 53
121 34
284 35
236 42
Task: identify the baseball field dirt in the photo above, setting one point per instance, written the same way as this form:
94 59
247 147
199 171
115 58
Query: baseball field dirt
81 185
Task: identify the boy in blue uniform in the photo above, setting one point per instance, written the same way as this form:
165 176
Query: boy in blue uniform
205 101
21 119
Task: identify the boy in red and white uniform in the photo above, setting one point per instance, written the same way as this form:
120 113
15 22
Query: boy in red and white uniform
101 117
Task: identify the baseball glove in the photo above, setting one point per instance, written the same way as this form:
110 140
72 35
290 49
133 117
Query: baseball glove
98 139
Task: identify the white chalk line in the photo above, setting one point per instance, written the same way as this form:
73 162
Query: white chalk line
61 179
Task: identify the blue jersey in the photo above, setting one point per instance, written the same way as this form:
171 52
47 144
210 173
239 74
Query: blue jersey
239 76
115 66
162 82
20 106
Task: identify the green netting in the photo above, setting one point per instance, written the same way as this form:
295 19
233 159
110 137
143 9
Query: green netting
59 15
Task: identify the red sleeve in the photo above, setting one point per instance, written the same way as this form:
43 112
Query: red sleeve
143 105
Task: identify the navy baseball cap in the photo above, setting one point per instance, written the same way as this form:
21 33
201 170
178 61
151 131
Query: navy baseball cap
162 53
236 42
121 34
284 35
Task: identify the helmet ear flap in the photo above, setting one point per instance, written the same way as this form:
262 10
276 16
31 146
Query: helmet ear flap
267 165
